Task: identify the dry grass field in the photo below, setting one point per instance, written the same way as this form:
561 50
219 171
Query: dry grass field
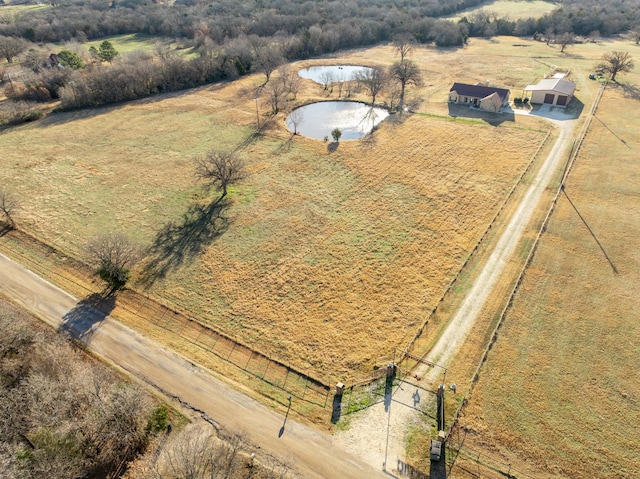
326 260
559 396
514 10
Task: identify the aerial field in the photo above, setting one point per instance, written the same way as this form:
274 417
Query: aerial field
138 42
514 10
326 260
558 395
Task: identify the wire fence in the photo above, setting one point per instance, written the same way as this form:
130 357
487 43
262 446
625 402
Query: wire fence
298 384
456 445
463 461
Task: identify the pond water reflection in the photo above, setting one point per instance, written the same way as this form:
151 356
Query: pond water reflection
327 74
317 120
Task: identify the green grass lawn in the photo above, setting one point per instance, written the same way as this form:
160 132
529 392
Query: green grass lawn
140 42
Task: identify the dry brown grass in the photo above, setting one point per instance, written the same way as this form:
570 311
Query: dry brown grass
329 260
559 396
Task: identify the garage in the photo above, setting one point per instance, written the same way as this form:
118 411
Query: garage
551 91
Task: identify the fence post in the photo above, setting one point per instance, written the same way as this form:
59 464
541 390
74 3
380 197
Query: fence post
286 376
217 338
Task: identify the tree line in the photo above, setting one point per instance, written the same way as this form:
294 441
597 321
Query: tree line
321 27
234 38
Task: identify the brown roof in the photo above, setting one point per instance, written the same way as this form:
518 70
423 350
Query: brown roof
478 91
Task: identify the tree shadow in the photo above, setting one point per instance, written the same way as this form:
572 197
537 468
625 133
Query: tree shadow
630 91
368 142
4 228
87 315
61 117
333 146
182 241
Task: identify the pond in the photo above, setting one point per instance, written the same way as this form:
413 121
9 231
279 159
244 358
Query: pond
317 120
331 73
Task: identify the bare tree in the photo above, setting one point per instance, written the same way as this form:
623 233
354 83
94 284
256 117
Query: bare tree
276 90
295 119
340 81
374 80
8 204
616 62
220 169
326 78
636 36
275 468
196 453
403 43
406 73
267 60
11 47
291 80
565 40
113 254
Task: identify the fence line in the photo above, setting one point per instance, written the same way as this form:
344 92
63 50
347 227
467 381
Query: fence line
449 286
305 387
573 154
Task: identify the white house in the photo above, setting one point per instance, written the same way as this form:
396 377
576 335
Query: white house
552 91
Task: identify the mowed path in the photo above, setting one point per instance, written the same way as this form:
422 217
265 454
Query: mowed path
313 453
377 434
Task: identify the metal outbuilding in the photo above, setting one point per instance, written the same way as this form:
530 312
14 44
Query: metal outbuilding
552 91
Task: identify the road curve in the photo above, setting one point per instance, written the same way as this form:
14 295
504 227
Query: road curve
313 453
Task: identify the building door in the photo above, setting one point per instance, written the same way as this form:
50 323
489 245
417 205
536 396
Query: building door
562 100
549 97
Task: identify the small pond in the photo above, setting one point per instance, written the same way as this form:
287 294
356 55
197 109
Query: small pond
331 73
317 120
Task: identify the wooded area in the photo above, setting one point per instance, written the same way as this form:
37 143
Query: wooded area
62 415
231 38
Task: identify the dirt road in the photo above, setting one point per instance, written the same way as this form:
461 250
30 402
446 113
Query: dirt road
377 434
313 453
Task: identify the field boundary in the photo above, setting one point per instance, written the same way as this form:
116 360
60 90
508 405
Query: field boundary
305 386
410 345
262 366
573 154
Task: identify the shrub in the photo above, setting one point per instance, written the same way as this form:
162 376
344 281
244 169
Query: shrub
159 420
